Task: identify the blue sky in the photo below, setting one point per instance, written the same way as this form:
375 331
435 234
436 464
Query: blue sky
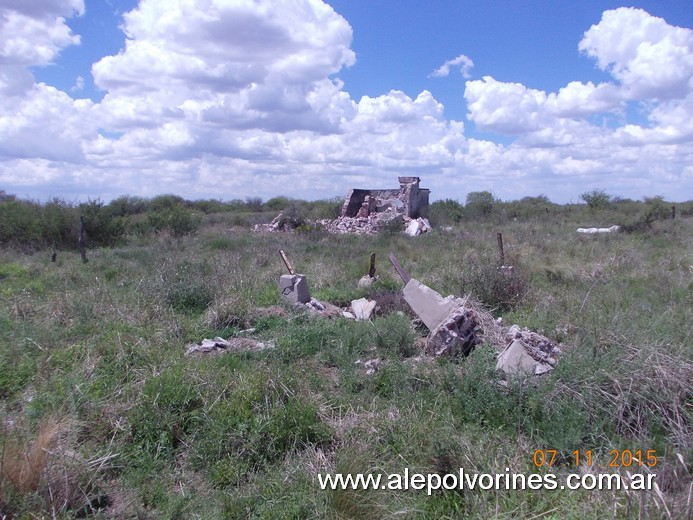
236 98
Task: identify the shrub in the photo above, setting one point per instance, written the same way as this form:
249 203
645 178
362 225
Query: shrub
495 288
177 220
445 212
190 298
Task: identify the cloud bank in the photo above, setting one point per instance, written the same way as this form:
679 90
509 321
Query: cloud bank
236 98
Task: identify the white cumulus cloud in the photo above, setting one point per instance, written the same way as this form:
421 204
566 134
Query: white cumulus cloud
235 98
462 62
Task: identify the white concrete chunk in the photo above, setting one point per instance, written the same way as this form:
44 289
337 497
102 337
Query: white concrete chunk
429 305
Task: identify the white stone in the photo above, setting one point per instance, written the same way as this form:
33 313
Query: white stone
363 309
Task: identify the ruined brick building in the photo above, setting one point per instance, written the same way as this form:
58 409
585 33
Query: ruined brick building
409 200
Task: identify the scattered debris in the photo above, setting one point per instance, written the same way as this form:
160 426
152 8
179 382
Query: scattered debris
593 230
417 226
457 326
217 345
371 366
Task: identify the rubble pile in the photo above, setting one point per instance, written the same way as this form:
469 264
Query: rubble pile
279 223
458 325
360 225
456 334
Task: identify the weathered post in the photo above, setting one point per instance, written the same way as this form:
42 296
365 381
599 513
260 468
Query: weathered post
400 270
501 253
371 270
82 240
673 212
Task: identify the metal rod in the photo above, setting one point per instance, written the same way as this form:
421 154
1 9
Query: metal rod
286 262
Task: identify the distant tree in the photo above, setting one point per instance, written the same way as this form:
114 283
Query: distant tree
126 205
538 200
596 198
656 209
278 203
480 203
165 202
253 203
102 226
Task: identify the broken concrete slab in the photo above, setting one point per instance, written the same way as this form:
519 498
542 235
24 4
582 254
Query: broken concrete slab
527 353
515 360
294 288
428 304
363 309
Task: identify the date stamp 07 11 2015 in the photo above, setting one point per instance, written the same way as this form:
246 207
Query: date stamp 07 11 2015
616 458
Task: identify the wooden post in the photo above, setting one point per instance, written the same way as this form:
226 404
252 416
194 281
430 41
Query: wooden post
673 212
371 270
54 256
286 262
501 253
82 240
400 270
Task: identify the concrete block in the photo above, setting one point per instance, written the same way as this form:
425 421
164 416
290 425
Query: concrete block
429 305
294 287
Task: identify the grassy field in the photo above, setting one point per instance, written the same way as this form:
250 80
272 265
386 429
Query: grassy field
104 412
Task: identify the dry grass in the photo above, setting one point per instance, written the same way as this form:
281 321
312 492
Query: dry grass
47 467
23 463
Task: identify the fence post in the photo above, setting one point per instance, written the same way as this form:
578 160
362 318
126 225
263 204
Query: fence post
82 240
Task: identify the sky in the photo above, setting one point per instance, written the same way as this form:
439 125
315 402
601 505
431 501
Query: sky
229 99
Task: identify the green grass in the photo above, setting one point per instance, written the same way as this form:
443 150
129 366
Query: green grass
245 434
